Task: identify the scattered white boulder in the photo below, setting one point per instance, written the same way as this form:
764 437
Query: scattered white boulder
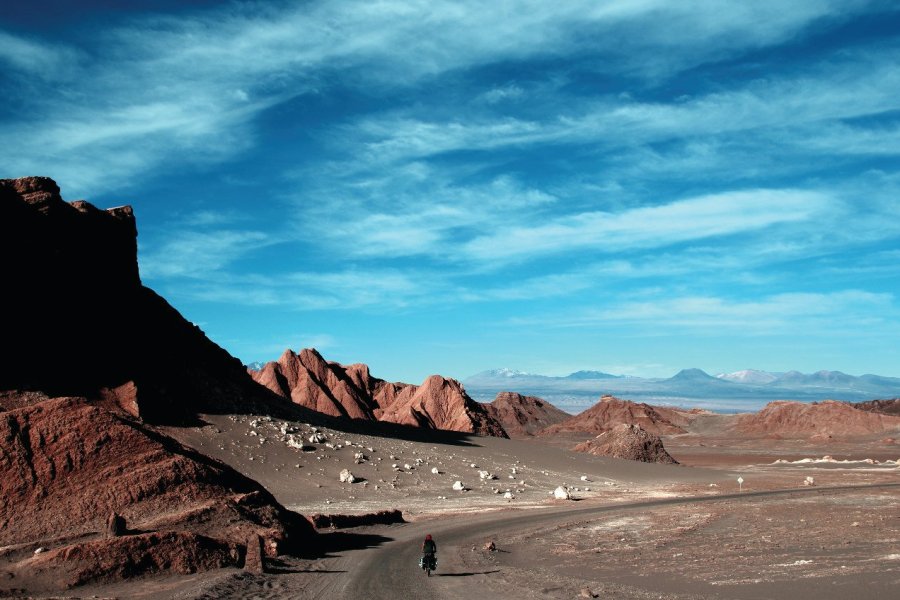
809 481
584 478
359 457
508 496
347 476
435 471
458 486
486 475
562 493
317 438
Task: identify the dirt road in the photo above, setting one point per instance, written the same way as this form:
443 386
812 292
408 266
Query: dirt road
390 571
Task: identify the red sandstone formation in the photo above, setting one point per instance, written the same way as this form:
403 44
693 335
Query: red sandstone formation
109 560
629 442
524 415
885 407
309 380
81 324
67 464
441 403
350 391
610 412
821 419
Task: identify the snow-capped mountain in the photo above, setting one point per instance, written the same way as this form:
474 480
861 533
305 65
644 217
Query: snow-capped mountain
751 376
742 390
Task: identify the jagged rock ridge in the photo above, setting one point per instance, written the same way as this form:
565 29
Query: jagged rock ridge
350 391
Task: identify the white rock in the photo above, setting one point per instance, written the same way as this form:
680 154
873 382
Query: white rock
317 438
435 471
562 493
809 481
39 550
407 466
347 476
508 496
486 475
584 478
458 486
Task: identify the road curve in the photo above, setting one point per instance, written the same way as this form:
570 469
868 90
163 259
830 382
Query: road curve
390 571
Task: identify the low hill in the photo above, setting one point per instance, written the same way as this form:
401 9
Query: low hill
828 418
524 415
629 442
610 412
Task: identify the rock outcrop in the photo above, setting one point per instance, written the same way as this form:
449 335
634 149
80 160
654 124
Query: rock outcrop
885 407
66 465
350 391
630 442
610 412
309 380
524 415
80 323
441 403
817 419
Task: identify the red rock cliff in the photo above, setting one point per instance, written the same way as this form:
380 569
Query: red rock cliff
78 319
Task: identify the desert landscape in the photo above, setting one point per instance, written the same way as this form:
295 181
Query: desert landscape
142 467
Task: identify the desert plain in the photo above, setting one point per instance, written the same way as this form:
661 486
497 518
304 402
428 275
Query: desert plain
628 530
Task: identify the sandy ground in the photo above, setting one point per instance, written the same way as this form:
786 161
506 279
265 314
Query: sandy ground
818 542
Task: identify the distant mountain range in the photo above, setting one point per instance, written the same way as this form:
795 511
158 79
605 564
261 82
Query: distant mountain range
745 390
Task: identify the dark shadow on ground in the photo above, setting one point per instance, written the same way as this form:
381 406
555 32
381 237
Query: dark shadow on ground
469 574
341 541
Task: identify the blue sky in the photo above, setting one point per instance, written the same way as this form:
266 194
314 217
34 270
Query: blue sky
635 186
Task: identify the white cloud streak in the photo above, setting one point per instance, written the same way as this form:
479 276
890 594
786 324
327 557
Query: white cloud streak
655 226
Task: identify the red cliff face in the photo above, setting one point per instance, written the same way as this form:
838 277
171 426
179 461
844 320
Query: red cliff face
350 391
79 321
524 415
822 419
610 412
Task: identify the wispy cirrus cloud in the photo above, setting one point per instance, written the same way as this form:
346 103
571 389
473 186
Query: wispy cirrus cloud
819 314
193 85
654 226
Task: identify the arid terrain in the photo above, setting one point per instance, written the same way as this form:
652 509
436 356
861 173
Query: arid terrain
149 463
630 529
